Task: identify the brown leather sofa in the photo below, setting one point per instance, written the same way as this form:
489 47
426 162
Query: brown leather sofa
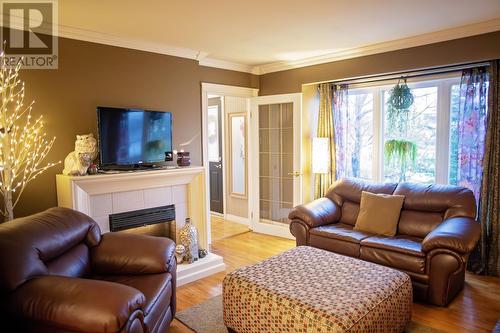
436 232
59 274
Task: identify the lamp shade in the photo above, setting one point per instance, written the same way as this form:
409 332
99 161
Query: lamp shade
320 155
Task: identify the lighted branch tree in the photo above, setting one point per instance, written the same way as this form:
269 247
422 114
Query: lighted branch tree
23 143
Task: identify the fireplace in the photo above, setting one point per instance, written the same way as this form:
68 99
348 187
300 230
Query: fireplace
156 221
102 195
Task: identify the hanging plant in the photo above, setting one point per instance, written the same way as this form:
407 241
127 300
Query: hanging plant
400 151
398 106
401 97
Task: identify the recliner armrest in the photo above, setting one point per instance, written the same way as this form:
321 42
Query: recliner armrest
76 305
132 254
458 234
316 213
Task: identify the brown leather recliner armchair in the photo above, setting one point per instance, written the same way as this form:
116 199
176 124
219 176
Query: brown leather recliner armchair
436 232
59 274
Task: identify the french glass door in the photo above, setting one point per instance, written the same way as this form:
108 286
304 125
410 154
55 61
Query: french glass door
276 161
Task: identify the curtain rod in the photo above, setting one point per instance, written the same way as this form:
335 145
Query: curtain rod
406 74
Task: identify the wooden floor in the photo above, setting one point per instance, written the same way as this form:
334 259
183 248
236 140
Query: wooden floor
476 309
223 228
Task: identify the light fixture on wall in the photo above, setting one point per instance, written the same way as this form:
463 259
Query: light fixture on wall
320 155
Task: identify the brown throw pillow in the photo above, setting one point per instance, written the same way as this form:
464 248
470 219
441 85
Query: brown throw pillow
379 213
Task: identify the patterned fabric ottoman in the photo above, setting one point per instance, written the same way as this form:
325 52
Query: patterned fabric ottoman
311 290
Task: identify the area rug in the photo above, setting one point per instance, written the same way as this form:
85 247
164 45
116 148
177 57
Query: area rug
207 317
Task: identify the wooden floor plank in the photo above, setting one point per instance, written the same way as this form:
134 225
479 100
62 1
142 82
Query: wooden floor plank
223 228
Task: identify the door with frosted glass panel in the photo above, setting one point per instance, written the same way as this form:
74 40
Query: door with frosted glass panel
276 174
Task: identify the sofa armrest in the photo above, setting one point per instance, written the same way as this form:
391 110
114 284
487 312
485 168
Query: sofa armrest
315 213
459 234
132 254
76 305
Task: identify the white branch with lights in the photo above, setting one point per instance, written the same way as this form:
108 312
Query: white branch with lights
23 142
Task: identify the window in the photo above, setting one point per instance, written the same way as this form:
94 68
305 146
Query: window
360 134
454 100
431 127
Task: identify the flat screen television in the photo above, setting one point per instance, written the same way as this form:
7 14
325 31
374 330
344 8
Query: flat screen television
131 138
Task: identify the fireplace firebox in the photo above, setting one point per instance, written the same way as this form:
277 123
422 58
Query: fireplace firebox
163 217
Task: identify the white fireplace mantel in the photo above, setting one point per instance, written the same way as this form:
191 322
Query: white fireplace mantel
104 194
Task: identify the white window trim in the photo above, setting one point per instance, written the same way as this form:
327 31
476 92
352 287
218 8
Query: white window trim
443 83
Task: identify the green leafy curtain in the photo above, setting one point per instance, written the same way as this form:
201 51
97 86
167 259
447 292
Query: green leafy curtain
485 259
325 130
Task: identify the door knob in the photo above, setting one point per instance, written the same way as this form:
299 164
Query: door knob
295 173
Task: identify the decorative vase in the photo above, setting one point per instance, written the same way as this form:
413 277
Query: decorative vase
188 236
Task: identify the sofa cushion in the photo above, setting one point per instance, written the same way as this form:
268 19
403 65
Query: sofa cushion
27 244
379 213
349 212
340 238
418 223
340 231
402 244
449 200
64 304
402 252
153 286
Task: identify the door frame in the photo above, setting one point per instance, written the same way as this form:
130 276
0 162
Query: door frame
221 90
222 133
296 99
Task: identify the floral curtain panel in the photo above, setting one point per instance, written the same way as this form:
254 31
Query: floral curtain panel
341 129
325 130
485 259
473 109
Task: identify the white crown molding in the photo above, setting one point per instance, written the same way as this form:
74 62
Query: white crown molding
419 40
210 62
107 39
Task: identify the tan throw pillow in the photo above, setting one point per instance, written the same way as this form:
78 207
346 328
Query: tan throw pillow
379 213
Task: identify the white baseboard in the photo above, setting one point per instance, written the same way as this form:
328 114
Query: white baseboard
201 268
237 219
217 214
273 230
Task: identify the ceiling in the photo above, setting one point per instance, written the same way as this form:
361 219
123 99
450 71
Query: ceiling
260 33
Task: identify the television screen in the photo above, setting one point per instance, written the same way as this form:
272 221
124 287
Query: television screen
132 136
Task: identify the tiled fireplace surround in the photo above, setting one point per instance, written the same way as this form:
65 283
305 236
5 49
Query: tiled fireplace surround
101 195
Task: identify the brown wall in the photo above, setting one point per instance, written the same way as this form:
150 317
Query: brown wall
92 74
470 49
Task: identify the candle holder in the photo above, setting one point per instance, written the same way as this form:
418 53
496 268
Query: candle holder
183 159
